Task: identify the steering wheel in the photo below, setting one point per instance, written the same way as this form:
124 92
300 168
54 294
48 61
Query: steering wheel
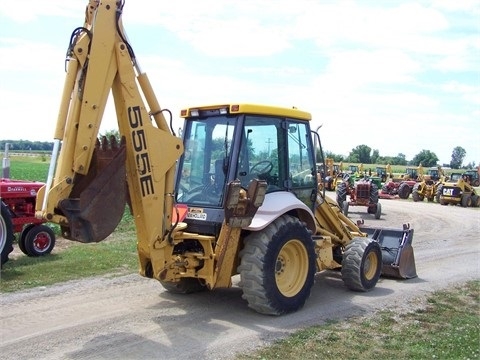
264 167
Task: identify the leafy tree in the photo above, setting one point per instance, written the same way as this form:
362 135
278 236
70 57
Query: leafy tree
426 158
360 154
471 165
375 156
329 154
458 154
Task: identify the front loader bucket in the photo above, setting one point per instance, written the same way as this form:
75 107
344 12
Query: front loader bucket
97 201
398 260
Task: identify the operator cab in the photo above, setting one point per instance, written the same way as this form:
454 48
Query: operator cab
244 142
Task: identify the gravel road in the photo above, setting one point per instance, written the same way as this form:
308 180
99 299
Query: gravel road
131 317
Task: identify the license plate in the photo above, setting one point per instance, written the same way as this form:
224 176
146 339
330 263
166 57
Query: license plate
196 214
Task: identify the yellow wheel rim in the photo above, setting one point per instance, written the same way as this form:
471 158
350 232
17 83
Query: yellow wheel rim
370 266
291 268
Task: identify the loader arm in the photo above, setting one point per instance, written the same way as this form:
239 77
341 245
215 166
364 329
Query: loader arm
87 194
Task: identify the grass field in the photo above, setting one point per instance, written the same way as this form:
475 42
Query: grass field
32 168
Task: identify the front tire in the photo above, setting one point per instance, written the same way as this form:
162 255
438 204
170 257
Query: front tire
277 267
416 193
378 211
23 235
362 264
39 241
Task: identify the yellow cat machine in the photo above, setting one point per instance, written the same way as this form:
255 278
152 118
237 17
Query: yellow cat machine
222 201
458 190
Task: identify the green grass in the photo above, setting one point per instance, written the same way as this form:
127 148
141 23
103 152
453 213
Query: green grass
32 168
115 256
447 328
78 261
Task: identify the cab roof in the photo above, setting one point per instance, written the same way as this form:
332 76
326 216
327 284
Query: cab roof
245 108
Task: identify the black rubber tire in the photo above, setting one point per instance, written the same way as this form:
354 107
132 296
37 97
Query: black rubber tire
415 195
475 201
466 200
362 264
184 286
39 241
6 234
21 241
378 211
341 193
404 191
277 267
438 193
345 207
373 194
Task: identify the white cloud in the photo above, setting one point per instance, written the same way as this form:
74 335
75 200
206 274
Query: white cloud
373 72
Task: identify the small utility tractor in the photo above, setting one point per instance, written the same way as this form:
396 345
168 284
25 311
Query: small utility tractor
362 192
18 199
458 190
474 176
384 172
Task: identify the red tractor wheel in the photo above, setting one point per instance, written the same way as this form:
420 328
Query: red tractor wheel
39 240
6 234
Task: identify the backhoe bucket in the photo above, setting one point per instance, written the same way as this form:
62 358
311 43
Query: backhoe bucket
97 201
398 260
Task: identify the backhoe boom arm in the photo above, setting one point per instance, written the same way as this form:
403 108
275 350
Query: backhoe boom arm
87 195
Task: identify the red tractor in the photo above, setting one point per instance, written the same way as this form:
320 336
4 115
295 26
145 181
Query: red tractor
17 203
362 192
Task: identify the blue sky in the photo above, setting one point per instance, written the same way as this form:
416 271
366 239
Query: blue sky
398 76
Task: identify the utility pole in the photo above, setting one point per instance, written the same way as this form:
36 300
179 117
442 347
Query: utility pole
269 141
6 162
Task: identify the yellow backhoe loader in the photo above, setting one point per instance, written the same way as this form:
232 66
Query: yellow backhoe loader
212 205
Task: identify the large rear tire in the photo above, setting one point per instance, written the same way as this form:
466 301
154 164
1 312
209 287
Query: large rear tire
277 267
6 234
341 193
404 191
362 264
373 196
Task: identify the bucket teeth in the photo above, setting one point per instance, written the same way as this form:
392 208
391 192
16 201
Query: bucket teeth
109 144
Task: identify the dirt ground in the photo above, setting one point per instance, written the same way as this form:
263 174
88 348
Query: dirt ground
131 317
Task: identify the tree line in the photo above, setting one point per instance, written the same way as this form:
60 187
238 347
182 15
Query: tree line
365 155
26 145
360 154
